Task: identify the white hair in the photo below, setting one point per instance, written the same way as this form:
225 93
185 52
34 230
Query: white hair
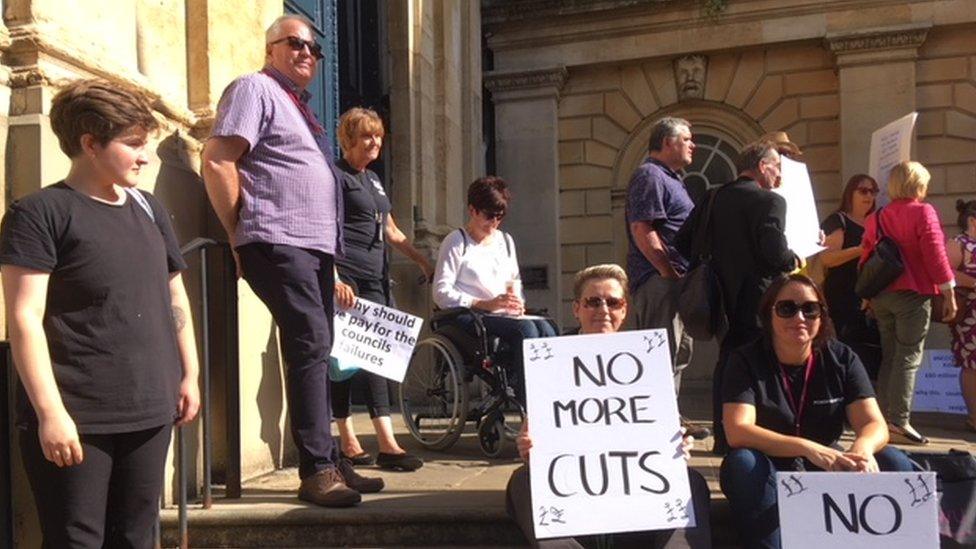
272 33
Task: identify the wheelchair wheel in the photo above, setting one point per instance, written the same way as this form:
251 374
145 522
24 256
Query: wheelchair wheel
492 434
433 395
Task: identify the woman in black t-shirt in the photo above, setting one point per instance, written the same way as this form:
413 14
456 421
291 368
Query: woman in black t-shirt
786 398
364 272
99 327
844 229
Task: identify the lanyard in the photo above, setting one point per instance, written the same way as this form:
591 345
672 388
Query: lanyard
798 407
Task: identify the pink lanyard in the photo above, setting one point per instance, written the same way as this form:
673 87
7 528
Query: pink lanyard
798 409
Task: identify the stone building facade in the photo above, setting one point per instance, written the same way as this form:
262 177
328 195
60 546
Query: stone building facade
577 85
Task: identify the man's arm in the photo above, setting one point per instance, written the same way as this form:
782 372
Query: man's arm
771 240
221 178
650 244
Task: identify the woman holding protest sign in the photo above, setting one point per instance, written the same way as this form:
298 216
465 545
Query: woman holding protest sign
600 307
364 272
786 398
477 268
100 327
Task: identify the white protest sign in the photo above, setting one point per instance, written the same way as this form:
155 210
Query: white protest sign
889 146
937 384
802 223
605 435
375 338
883 510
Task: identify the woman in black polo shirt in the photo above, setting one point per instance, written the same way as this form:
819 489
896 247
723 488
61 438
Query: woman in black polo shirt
786 397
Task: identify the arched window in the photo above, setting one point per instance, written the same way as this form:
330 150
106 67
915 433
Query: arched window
712 164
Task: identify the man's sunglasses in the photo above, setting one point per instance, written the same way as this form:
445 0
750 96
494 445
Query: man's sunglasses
491 216
788 309
867 190
612 303
296 44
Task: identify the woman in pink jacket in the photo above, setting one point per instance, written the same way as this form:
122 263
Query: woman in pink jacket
903 309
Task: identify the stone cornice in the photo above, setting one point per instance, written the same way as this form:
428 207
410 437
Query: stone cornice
887 38
544 80
503 11
30 41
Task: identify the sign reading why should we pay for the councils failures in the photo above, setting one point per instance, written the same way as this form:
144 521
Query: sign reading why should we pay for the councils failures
375 338
605 435
876 510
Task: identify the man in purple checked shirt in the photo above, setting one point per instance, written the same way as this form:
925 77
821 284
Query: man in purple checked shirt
270 176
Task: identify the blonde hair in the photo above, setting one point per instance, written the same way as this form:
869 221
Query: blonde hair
599 272
908 179
355 122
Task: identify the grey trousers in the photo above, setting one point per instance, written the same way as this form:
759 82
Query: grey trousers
903 320
518 502
656 306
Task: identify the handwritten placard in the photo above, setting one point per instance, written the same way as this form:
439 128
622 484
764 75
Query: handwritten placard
889 146
605 435
375 338
883 510
802 223
937 384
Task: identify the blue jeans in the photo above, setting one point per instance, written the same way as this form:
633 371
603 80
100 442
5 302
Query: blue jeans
748 480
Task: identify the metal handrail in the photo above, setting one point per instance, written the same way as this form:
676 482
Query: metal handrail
6 471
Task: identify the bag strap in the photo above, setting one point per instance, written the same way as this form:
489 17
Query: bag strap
141 201
880 230
505 236
703 230
464 241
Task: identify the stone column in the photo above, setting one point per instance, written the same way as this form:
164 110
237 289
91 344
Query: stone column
877 85
526 140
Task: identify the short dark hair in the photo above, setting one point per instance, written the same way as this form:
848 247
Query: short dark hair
966 210
664 128
769 300
98 107
489 194
752 154
847 199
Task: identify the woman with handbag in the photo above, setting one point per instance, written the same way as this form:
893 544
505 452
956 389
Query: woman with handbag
844 230
962 256
903 307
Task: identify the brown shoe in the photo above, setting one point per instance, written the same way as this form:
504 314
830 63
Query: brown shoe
328 489
359 483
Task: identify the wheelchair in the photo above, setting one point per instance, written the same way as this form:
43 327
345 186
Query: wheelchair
455 377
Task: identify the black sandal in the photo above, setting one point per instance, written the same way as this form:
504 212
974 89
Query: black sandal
362 458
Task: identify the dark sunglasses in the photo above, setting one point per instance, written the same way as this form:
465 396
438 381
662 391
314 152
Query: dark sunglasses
491 216
612 303
788 309
866 190
296 44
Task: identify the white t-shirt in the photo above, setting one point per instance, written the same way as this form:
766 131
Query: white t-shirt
480 270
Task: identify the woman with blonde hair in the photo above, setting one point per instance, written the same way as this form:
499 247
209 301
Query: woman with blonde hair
903 308
364 272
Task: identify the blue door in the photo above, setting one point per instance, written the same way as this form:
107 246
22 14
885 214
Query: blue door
325 87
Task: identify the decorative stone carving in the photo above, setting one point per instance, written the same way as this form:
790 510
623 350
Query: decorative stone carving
550 80
689 76
878 39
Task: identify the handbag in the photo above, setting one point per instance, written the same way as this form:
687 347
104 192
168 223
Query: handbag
700 302
956 487
882 267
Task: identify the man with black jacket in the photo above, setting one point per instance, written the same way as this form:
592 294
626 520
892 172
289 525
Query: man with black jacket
748 250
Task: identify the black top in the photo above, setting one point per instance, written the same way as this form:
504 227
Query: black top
844 305
748 250
752 376
108 316
366 210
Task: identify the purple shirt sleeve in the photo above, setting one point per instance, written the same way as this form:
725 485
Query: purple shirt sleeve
645 198
242 112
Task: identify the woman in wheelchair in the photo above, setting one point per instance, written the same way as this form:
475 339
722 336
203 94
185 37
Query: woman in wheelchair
600 307
477 268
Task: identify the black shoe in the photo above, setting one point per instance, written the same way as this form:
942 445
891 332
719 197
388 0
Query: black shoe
906 434
399 462
695 431
362 458
359 483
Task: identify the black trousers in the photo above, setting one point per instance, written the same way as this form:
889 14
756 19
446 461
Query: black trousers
375 387
111 499
297 287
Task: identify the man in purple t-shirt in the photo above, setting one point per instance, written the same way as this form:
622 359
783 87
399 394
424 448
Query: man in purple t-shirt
270 177
657 206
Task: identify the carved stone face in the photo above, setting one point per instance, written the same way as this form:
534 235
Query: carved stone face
689 74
